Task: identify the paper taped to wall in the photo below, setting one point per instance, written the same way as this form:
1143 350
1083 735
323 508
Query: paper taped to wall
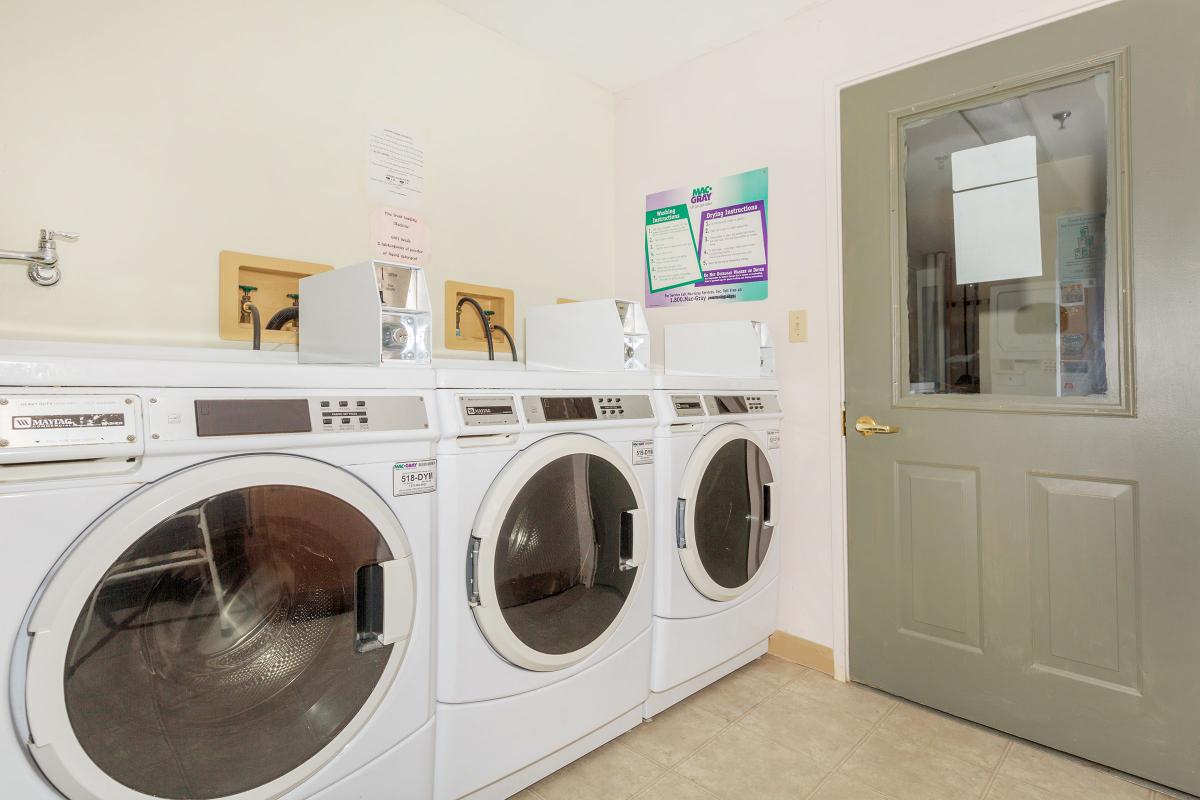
395 167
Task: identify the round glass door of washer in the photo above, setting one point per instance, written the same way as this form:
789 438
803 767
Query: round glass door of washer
222 651
725 509
557 552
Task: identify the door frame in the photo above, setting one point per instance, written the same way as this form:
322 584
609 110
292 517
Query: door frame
831 103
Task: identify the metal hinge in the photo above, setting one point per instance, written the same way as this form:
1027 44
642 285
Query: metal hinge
843 419
473 572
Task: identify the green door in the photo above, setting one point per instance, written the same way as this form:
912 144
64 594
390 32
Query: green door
1021 228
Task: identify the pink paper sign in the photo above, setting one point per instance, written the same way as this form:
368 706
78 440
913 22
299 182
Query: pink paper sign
400 235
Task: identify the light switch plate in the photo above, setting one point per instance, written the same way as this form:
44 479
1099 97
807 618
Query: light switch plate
798 325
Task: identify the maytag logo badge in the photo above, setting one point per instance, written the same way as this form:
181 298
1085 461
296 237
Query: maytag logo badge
58 421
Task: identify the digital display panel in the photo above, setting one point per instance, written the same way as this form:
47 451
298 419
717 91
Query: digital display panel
687 405
251 417
731 404
558 409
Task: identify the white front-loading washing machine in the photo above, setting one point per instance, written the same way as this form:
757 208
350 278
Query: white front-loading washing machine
216 579
543 562
716 533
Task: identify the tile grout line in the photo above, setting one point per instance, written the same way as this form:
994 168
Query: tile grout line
987 787
671 769
850 754
773 693
657 778
651 784
900 701
729 724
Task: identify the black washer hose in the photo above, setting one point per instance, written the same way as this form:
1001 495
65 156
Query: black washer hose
512 346
483 320
283 316
256 322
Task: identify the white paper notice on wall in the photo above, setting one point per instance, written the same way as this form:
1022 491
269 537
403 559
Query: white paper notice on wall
414 477
395 167
997 218
643 452
400 235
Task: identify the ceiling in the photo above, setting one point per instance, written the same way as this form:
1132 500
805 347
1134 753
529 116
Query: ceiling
619 43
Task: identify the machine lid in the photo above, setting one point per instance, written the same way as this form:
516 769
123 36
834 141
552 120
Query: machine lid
221 633
55 364
504 375
725 520
557 552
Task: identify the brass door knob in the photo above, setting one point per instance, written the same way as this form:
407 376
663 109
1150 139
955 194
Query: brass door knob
867 426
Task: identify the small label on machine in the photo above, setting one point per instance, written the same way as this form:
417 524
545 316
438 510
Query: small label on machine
773 439
414 477
643 452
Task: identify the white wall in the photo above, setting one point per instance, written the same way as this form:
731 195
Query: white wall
769 101
165 131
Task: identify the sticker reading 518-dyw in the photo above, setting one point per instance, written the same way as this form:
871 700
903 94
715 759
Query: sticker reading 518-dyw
414 477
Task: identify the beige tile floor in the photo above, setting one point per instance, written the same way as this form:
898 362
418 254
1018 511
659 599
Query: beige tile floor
777 730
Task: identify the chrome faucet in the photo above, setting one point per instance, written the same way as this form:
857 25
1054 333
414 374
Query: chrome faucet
43 262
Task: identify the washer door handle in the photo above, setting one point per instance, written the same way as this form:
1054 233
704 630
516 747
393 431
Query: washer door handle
681 523
399 600
386 600
768 506
634 536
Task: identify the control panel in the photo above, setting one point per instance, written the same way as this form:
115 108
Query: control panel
488 410
370 413
723 404
255 416
600 407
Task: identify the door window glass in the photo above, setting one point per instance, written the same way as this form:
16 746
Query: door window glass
731 539
219 652
559 576
1009 265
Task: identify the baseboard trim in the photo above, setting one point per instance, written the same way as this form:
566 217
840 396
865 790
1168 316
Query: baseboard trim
801 651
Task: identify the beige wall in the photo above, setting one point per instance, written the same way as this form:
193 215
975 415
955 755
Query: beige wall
166 131
768 101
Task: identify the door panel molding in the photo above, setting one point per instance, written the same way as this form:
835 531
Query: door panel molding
937 553
1083 540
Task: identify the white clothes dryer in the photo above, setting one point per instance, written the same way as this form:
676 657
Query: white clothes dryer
544 585
215 592
716 551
